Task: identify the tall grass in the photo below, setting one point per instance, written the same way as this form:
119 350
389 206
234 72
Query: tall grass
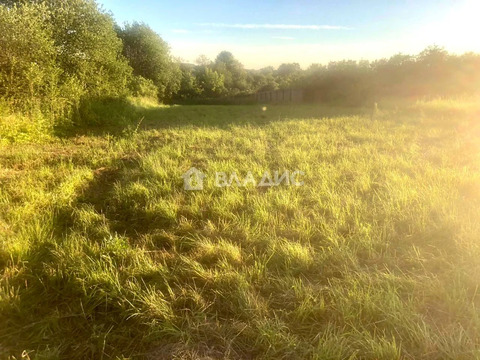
105 255
98 115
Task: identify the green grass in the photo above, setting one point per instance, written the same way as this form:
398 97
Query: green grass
104 255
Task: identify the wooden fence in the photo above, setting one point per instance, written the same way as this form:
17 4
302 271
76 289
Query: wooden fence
280 96
264 97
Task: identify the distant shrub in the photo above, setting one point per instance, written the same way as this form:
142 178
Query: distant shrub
141 87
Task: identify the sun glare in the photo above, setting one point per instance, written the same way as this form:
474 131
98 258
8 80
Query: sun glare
460 29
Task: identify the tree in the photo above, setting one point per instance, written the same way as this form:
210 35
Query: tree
203 60
263 80
61 55
28 72
189 87
211 82
288 75
235 76
88 47
149 56
395 76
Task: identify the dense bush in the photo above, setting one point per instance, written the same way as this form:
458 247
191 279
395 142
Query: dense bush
107 111
149 56
29 73
58 54
234 75
139 86
88 47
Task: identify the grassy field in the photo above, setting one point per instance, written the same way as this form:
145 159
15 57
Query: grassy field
104 255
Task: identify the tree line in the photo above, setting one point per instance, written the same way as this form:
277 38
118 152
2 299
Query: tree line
59 56
431 73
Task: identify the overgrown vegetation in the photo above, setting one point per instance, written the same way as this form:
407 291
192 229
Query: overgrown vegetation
150 59
432 73
63 60
60 59
104 255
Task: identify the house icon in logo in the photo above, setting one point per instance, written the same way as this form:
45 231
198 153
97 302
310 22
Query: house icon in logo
193 179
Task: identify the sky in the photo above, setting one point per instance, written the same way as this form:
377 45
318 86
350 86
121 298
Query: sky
263 33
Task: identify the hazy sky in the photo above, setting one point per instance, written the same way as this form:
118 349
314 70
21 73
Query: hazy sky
265 32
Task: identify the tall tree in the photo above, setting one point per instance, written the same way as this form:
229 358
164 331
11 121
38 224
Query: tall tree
28 71
288 75
87 48
235 76
211 82
149 56
189 87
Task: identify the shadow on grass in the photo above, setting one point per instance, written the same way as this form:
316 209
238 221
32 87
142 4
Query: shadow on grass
125 215
225 116
100 116
121 117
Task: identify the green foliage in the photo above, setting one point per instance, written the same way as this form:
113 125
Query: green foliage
107 111
18 127
88 47
342 82
264 79
211 82
60 59
28 69
149 56
57 55
234 75
433 72
288 75
141 87
189 86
